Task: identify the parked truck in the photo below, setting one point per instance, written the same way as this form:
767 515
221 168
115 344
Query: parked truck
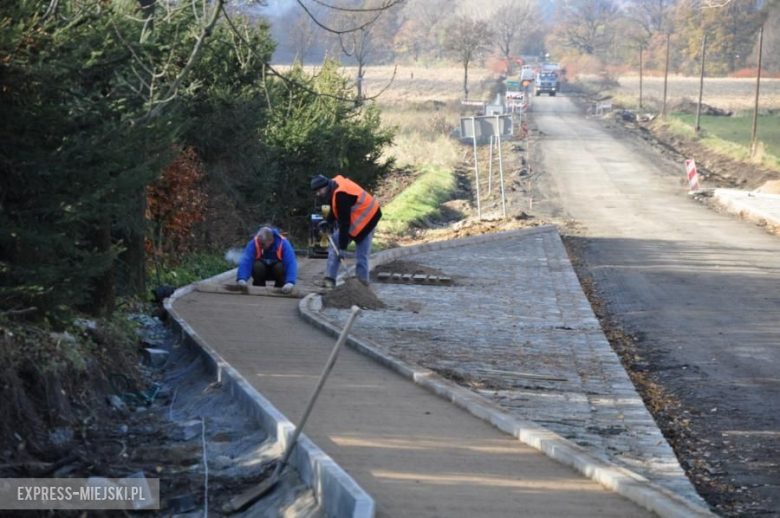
546 82
549 78
526 75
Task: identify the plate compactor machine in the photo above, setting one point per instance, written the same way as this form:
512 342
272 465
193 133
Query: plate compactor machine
318 240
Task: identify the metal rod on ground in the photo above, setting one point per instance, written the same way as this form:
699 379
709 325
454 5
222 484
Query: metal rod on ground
753 142
245 499
490 168
697 128
315 394
501 165
476 166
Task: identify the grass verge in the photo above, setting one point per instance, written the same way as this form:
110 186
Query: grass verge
728 144
420 201
739 129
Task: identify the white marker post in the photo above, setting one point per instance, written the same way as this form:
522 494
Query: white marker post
490 169
500 164
476 166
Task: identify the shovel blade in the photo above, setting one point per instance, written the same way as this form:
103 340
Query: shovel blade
245 499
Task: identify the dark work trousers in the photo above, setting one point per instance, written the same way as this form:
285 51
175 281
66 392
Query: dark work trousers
262 272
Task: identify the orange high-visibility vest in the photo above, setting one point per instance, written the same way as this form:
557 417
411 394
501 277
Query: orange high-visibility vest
259 249
362 211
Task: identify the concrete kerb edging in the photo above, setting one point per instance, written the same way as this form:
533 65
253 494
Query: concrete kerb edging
338 493
736 206
626 483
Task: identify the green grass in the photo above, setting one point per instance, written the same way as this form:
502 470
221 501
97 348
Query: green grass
714 137
420 201
739 129
677 127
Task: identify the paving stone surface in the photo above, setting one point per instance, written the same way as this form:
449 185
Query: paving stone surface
516 327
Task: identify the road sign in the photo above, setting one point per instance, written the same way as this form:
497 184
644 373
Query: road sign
486 126
693 175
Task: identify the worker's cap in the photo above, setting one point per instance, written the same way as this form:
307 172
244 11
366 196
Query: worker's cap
318 182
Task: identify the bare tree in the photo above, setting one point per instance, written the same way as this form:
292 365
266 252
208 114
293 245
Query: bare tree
589 25
411 38
428 20
363 15
510 22
302 34
652 16
158 81
361 47
467 39
772 39
370 42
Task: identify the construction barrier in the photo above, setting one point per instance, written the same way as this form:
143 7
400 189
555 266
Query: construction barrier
693 175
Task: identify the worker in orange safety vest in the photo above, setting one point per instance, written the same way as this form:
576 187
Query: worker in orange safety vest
357 214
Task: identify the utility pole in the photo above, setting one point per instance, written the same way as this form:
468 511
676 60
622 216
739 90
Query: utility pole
641 48
666 75
753 141
701 83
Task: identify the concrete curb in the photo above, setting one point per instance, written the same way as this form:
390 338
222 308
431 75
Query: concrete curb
628 484
338 493
738 202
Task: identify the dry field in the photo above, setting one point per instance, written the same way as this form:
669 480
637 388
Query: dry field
732 94
418 84
415 84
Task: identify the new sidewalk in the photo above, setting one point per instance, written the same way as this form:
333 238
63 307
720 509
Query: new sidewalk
516 329
754 206
415 453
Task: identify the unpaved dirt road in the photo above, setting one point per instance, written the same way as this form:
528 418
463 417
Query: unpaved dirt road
700 290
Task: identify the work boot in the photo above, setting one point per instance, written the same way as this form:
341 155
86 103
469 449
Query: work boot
329 282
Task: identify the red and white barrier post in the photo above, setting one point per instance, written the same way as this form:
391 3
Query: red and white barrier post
693 175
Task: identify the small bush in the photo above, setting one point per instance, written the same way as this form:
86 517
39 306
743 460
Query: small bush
195 268
753 72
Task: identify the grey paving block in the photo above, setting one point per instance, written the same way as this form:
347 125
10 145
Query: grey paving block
527 316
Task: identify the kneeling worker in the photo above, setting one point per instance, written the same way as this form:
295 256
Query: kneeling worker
357 213
269 256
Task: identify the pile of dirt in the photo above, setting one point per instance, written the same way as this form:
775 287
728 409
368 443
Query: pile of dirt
404 267
690 107
352 293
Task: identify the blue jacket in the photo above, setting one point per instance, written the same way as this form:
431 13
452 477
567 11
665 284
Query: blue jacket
269 257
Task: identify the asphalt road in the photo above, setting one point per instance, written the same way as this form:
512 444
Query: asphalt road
700 289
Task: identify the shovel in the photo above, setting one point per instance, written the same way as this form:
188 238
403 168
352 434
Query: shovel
243 500
336 250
